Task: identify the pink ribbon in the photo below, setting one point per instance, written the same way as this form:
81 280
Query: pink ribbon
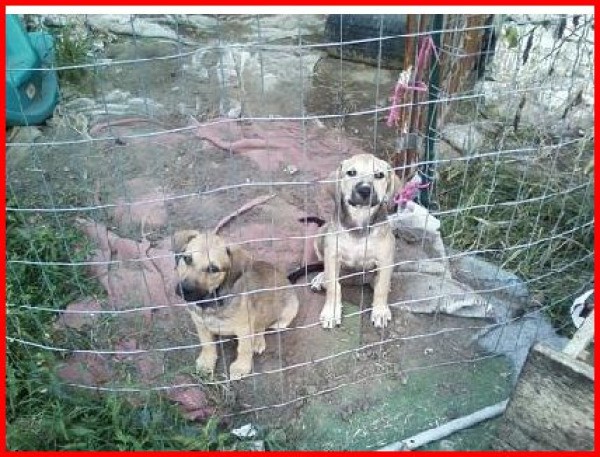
408 193
426 46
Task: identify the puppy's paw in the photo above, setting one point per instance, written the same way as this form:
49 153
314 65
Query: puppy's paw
239 369
331 315
381 316
318 282
259 344
205 363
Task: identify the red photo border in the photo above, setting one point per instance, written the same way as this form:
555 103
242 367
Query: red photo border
230 3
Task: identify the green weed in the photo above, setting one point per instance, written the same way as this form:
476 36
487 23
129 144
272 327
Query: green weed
532 217
72 48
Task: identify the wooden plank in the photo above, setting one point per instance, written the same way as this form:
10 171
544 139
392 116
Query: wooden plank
462 42
552 407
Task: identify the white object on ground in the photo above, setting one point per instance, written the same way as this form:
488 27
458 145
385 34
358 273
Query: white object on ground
245 431
414 222
578 306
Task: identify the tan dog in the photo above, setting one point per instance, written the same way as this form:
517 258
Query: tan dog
358 237
209 270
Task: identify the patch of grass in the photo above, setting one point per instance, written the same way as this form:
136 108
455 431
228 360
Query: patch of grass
382 411
531 216
31 239
72 48
86 422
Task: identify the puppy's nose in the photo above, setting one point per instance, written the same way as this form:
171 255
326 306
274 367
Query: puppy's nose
364 190
183 289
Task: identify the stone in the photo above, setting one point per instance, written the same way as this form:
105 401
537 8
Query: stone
465 139
80 314
126 24
557 70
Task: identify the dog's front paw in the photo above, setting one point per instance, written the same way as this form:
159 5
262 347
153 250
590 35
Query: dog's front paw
381 315
259 344
205 363
318 282
331 315
239 368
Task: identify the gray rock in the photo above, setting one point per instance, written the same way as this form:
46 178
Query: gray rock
127 24
283 26
256 83
446 154
511 337
485 276
25 134
117 96
55 20
200 22
79 104
146 48
514 338
256 445
20 155
552 76
463 138
446 445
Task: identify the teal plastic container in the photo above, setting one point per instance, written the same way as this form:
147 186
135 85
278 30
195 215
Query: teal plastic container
31 83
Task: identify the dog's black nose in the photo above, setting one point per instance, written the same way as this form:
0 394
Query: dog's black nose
185 290
364 190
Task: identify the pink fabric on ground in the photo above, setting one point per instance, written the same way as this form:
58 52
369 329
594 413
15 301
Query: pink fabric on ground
272 145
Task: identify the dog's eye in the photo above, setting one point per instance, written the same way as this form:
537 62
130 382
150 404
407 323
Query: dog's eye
379 175
186 258
212 268
351 172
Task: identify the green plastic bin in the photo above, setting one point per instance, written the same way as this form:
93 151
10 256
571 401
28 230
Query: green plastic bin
31 83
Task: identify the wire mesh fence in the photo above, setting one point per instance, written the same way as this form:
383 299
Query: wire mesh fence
234 124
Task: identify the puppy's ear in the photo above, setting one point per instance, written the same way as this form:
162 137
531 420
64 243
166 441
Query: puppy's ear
239 261
332 187
394 185
182 238
237 255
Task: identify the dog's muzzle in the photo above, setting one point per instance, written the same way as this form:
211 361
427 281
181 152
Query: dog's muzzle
192 294
363 194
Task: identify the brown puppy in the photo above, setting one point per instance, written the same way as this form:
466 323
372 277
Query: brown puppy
358 236
224 278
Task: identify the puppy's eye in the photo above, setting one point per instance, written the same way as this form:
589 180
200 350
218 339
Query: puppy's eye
212 268
379 175
187 258
351 172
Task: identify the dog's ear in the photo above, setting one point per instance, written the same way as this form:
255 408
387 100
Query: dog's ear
182 238
332 186
239 261
237 254
394 185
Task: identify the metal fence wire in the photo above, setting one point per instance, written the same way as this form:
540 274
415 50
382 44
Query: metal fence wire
235 123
